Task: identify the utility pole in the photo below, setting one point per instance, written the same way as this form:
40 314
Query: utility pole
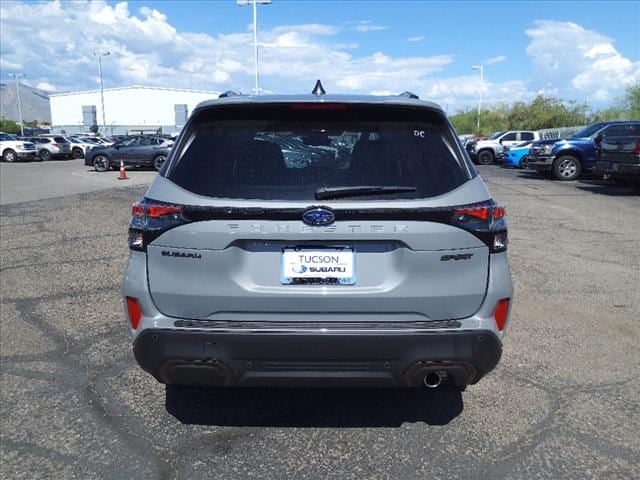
481 68
16 76
100 55
254 4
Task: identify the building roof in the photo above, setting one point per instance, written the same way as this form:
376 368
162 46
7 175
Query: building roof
134 87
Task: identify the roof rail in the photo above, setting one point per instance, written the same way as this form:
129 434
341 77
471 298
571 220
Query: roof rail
229 93
409 95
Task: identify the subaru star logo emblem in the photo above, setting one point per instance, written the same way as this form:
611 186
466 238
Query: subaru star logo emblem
299 268
318 216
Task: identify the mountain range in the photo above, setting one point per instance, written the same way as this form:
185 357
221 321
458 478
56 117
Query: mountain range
35 103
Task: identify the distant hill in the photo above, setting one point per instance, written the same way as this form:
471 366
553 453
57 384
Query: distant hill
35 103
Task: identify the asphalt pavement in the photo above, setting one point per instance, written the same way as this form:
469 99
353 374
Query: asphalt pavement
564 402
22 182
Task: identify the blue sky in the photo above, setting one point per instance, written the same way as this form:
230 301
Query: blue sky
585 51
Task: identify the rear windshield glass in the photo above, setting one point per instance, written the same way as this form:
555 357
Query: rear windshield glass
289 152
60 140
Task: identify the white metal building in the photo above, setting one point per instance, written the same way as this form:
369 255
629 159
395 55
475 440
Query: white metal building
128 110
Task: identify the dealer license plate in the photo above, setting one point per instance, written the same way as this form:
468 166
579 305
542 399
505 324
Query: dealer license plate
323 266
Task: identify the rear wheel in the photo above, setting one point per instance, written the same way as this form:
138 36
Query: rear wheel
485 157
101 163
45 155
159 161
9 155
77 153
566 167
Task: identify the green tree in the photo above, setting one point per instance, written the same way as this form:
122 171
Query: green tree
9 126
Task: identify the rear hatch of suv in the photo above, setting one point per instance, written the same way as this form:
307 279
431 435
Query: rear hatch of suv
325 212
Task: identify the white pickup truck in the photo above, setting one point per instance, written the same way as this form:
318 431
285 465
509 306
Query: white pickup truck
485 152
12 149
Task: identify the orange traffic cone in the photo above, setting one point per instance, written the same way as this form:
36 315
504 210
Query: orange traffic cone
123 173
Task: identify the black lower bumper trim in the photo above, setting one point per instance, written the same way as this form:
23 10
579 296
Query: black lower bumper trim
350 359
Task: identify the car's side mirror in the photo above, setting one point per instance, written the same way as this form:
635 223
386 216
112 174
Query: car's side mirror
598 138
117 147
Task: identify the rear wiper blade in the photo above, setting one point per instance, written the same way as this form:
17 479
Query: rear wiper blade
324 193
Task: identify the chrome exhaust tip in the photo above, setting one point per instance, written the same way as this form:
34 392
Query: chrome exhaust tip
432 380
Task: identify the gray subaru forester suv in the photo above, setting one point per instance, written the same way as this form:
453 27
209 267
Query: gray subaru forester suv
318 240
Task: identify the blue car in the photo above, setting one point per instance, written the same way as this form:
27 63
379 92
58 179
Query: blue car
517 156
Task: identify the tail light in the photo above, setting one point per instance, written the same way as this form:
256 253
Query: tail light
134 311
150 219
57 145
486 220
501 312
637 150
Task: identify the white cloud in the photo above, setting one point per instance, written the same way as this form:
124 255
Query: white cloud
495 60
147 49
47 87
578 62
7 65
414 39
367 26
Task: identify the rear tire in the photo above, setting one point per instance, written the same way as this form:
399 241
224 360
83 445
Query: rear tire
45 155
485 157
9 156
566 168
101 163
77 153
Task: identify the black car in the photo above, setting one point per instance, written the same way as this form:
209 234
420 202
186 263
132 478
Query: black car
619 155
138 151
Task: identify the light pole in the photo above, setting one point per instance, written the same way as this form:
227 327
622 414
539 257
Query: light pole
100 55
481 68
254 3
16 76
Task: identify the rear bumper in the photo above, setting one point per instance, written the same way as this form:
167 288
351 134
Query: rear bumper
316 359
630 169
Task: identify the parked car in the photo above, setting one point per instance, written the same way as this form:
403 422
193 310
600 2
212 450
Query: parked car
105 141
52 147
139 151
619 155
248 271
517 156
79 147
12 149
567 159
486 152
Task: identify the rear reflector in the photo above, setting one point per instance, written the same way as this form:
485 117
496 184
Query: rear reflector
501 312
135 313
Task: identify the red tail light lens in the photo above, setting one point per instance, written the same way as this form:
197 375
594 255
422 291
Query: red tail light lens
486 220
637 151
501 312
134 311
150 219
483 213
152 210
156 211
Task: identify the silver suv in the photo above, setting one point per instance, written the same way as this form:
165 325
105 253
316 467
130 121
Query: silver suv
318 241
52 147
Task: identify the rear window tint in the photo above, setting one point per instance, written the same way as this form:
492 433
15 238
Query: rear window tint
287 153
